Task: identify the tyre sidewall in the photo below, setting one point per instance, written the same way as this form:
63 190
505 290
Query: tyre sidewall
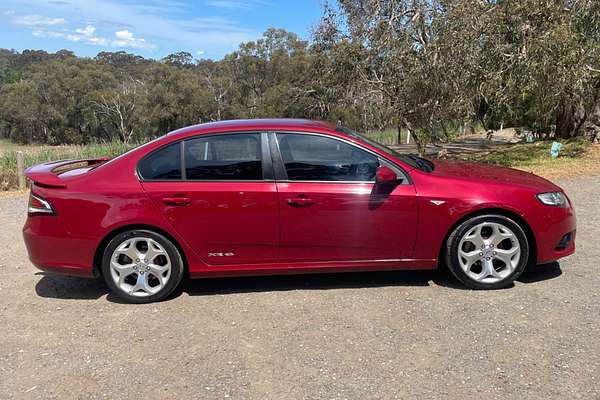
174 255
454 240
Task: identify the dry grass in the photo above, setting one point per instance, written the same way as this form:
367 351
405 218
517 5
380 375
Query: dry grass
577 158
568 168
36 154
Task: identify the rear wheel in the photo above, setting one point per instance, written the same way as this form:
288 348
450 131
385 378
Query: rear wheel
142 266
487 252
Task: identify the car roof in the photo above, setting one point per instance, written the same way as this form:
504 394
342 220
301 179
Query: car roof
289 124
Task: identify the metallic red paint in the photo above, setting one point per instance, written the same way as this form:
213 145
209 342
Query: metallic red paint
279 227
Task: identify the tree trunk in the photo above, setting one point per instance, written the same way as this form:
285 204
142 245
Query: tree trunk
570 117
591 128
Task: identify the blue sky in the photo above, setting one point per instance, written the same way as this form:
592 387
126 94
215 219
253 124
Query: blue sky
151 28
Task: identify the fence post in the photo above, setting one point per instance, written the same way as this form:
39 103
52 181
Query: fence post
20 170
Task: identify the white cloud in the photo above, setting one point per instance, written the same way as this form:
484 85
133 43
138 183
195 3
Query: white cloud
87 31
81 35
164 24
38 20
87 36
125 38
200 53
47 34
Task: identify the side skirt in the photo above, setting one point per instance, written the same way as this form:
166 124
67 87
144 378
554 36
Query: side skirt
205 271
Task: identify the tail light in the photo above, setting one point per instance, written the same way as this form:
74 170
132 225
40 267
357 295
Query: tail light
39 206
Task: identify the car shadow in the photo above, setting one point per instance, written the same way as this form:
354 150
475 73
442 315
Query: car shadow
214 286
69 287
73 288
542 272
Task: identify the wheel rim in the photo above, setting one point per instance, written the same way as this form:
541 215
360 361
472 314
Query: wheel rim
140 266
489 252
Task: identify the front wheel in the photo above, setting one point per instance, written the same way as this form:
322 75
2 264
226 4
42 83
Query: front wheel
487 252
142 266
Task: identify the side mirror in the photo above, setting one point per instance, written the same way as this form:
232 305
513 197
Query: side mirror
385 175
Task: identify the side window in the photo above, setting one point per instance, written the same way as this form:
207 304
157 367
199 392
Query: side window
318 158
224 157
163 164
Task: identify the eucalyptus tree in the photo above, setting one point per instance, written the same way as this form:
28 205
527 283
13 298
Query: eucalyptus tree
405 56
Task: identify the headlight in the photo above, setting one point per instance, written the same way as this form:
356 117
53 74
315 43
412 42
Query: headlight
556 199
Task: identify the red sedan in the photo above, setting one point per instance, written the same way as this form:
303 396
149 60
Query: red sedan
262 197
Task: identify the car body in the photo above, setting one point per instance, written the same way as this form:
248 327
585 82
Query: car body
273 212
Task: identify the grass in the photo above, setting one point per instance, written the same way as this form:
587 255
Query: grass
33 155
577 157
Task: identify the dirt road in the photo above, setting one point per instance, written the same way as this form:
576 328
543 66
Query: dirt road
357 336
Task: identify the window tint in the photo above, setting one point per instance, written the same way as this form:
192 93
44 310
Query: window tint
224 157
163 164
318 158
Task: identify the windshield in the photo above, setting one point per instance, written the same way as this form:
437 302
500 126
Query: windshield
410 159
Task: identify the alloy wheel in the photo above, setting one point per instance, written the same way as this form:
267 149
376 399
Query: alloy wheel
489 252
140 266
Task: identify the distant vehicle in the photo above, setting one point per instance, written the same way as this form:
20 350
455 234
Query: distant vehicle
267 197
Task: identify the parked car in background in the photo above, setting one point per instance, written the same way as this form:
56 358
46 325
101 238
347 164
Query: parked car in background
263 197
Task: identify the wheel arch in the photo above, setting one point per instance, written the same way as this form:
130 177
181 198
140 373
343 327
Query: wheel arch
97 266
497 211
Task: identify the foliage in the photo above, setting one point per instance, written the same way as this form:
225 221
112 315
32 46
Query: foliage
428 67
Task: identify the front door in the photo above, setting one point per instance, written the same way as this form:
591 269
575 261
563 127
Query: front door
331 209
219 201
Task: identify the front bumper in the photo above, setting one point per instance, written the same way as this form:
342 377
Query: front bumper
550 229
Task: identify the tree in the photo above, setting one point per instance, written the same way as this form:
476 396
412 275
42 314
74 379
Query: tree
120 109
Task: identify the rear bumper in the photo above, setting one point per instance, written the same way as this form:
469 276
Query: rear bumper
555 224
52 249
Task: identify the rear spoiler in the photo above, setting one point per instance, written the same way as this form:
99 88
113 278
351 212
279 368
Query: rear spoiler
48 174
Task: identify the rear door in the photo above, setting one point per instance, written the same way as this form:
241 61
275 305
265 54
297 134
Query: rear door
218 192
331 208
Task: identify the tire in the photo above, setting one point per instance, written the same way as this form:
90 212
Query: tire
142 266
503 257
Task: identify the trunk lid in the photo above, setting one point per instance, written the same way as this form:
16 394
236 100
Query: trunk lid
56 173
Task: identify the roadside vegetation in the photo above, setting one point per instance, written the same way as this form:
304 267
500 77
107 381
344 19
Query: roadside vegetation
430 67
425 68
577 156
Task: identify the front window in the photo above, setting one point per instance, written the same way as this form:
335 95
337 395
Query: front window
319 158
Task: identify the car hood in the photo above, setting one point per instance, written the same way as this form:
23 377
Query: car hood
491 173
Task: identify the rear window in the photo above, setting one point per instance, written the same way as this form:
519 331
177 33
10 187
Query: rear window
224 157
163 164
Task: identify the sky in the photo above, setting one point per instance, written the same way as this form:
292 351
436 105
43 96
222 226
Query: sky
151 28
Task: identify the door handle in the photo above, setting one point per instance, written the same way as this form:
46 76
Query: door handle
300 201
177 201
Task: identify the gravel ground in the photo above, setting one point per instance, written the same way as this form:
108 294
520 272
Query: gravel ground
353 336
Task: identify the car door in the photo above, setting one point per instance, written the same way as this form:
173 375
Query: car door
218 193
331 208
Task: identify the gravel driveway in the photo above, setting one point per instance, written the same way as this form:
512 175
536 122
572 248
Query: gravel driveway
353 336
